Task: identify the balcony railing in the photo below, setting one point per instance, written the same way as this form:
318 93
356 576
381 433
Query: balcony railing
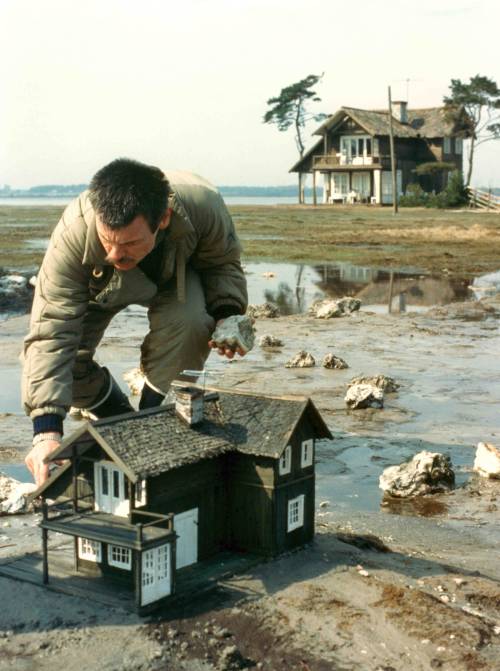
335 160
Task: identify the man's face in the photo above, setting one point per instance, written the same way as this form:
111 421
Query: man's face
126 247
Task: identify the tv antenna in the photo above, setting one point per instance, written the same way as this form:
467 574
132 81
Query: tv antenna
407 81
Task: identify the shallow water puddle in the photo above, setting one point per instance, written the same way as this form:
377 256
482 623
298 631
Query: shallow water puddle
295 286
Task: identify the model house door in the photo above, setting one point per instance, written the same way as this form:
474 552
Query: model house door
155 578
186 527
111 495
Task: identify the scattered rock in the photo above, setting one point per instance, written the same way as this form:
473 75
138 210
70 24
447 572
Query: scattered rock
327 309
236 332
487 461
360 396
426 473
269 275
231 659
269 310
332 361
14 496
270 341
467 311
384 382
16 291
135 379
301 360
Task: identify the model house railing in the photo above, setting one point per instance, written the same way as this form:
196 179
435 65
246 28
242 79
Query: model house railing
157 520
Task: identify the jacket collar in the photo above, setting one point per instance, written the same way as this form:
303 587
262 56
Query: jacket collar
180 226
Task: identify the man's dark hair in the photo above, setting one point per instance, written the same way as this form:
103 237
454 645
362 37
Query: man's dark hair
125 189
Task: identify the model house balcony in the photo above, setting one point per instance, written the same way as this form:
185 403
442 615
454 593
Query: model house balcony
331 161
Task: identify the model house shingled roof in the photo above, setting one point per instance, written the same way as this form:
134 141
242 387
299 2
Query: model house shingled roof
151 442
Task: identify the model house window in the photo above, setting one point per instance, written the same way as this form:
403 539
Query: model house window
286 461
306 453
458 145
140 493
119 557
447 145
89 550
295 513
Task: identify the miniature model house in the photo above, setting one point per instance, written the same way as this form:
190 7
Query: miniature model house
147 494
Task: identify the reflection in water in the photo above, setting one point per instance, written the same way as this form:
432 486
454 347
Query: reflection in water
425 506
296 286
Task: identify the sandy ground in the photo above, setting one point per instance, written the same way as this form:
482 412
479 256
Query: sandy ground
383 587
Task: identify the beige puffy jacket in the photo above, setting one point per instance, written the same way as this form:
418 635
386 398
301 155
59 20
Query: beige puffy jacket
201 232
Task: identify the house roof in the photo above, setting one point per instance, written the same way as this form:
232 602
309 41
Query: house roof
151 442
427 122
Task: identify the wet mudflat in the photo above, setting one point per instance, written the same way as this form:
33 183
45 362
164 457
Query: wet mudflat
399 586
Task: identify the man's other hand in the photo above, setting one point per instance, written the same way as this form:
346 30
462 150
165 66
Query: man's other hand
35 460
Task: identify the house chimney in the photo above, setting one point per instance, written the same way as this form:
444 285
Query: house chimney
400 110
189 404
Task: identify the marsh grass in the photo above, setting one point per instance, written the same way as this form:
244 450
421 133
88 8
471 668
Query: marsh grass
458 241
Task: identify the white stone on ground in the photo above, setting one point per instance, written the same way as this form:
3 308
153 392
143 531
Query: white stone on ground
269 310
270 341
332 361
14 495
327 309
361 396
487 460
426 473
384 382
302 359
135 379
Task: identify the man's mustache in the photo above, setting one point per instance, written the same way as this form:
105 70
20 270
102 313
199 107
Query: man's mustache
123 259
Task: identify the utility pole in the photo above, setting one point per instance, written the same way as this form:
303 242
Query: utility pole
393 160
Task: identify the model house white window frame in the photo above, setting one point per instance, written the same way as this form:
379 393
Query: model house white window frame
340 183
447 145
285 462
111 489
120 557
306 453
459 145
89 549
295 513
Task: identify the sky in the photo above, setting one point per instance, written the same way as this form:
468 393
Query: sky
184 85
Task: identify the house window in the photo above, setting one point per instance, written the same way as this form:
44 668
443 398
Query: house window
458 145
296 513
355 149
447 145
306 453
120 557
140 493
90 550
286 461
111 489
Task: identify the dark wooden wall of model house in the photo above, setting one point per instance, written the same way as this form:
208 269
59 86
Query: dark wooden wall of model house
259 495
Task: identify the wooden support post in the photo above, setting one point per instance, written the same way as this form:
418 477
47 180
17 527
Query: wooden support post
74 471
300 188
45 558
138 577
131 500
391 289
314 188
393 160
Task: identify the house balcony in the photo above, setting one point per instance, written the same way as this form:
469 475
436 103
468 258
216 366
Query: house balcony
143 530
340 162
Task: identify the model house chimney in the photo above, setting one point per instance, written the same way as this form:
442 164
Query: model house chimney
189 404
400 110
